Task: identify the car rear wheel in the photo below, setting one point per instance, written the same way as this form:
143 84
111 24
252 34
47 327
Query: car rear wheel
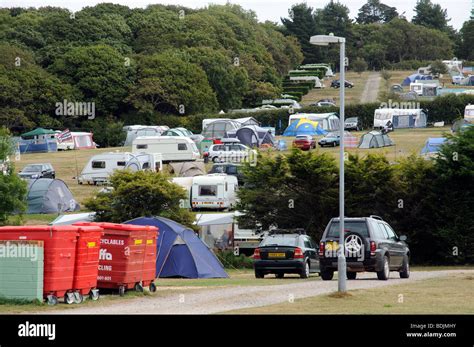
351 275
259 274
327 275
405 270
280 275
305 271
385 272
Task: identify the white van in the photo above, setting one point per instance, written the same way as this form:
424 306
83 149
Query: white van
469 113
171 148
186 183
101 166
214 191
399 118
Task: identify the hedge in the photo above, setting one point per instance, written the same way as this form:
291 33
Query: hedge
446 108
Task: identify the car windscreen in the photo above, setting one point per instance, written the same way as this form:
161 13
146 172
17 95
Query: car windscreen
302 137
353 226
280 240
33 168
351 120
218 169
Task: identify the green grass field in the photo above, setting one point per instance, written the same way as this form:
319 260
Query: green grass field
444 295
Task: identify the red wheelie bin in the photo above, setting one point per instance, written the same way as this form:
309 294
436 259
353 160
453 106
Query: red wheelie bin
59 256
122 256
87 263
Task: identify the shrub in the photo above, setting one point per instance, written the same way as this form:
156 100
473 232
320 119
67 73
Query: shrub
231 261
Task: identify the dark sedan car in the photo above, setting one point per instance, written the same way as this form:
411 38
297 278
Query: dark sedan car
34 171
332 139
232 169
336 84
286 251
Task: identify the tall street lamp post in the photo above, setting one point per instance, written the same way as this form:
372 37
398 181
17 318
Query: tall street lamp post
326 40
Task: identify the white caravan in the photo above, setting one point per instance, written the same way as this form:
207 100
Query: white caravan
171 148
101 166
469 113
214 191
399 118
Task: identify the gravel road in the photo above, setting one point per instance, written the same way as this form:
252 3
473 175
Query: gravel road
371 89
216 300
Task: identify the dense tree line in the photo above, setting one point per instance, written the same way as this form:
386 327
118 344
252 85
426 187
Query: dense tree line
380 35
429 201
158 60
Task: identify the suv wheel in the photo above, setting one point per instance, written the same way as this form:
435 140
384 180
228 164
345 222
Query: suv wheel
385 272
327 275
280 275
305 271
259 274
215 159
405 270
351 275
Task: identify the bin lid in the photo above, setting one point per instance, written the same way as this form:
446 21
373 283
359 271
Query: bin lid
50 228
117 226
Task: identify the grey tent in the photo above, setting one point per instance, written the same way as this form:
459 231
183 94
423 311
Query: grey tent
219 128
187 169
46 195
375 139
252 136
468 81
134 131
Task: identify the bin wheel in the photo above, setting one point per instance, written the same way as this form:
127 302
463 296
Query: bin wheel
69 298
94 295
52 300
122 290
78 298
138 287
152 287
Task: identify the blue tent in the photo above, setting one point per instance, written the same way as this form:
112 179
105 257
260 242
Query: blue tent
414 77
433 144
180 252
304 126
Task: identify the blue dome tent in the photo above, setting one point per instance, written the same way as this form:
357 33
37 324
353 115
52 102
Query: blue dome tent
433 145
180 251
304 126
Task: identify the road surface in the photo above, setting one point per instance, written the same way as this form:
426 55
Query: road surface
212 300
371 89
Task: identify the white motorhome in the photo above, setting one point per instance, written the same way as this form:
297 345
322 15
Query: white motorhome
399 118
214 191
469 113
171 148
101 166
186 183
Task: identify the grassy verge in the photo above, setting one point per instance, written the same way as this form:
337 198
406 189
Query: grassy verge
445 295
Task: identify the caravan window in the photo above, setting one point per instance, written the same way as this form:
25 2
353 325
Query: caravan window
121 163
142 146
182 147
98 164
208 190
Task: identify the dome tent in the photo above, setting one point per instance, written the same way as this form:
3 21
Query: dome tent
304 126
375 139
219 128
180 252
252 136
46 195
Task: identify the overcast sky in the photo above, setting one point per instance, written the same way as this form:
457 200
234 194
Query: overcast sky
458 10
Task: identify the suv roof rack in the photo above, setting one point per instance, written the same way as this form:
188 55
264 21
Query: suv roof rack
375 217
299 231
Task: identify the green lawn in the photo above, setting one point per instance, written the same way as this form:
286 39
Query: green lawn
445 295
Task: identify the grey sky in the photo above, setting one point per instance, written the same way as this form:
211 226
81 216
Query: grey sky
458 10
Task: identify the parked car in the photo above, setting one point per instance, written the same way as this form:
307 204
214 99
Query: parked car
370 244
232 169
336 84
34 171
304 142
324 104
229 152
331 139
286 251
352 123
